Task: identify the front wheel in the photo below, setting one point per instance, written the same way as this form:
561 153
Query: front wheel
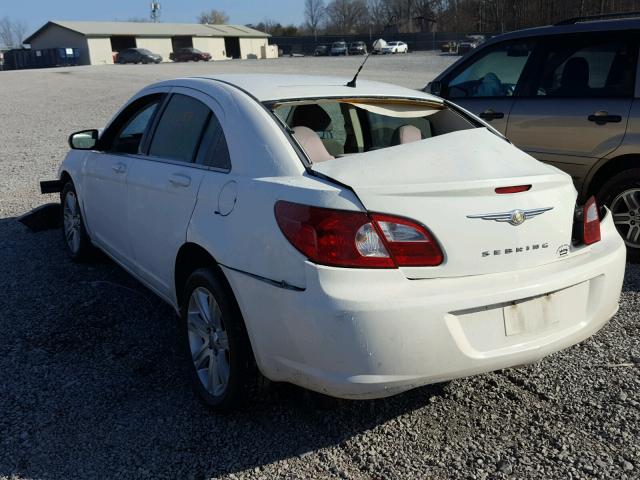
76 240
220 359
621 193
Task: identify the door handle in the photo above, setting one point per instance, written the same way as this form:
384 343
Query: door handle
119 167
491 115
180 180
601 117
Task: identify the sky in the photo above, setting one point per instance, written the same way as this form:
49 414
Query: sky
36 13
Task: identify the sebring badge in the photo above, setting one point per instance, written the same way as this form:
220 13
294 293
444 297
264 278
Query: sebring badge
514 217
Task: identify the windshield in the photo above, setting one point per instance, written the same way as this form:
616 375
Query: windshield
352 126
145 51
339 44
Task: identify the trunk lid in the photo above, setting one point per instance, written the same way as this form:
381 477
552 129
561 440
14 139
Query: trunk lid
443 181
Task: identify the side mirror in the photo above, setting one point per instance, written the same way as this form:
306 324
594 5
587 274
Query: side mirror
435 87
84 140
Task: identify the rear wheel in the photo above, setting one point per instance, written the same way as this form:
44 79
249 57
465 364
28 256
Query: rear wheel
220 359
621 194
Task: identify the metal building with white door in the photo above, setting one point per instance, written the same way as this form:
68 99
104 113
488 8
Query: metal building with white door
99 41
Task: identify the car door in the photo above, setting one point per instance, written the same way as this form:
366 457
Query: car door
574 109
486 83
163 186
105 176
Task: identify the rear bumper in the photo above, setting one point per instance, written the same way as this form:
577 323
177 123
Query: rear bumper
373 333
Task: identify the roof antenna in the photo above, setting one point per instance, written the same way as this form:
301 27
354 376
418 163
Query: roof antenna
352 83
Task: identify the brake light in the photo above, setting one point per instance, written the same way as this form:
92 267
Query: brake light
590 222
514 189
354 239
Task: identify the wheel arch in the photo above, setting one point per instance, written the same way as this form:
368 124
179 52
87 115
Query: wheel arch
607 170
189 258
65 177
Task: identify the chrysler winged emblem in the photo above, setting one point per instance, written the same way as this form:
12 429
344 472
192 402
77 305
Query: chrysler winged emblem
514 217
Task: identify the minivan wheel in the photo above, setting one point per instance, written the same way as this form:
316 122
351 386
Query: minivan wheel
219 356
621 194
76 240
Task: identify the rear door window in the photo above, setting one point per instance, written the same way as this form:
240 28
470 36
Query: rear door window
588 66
214 151
180 129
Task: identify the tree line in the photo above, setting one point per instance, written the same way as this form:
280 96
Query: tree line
340 17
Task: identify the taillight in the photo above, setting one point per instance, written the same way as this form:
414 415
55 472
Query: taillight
354 239
590 222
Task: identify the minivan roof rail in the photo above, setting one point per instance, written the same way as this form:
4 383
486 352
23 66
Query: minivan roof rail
604 16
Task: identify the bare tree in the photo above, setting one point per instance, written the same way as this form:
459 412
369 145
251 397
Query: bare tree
346 16
378 13
213 17
314 13
12 33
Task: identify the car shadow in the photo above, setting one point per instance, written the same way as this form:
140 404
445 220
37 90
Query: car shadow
94 381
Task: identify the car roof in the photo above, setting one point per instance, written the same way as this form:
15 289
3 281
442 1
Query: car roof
273 87
578 27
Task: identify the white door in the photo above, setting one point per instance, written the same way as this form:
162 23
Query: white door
163 186
105 177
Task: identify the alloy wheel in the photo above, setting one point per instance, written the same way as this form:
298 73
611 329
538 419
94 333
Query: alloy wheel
72 222
208 341
625 208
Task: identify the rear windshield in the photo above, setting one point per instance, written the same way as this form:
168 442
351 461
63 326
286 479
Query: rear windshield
352 126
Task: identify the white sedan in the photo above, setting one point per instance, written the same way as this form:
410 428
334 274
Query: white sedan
358 242
395 47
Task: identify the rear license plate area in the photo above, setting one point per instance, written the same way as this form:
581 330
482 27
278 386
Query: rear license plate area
530 316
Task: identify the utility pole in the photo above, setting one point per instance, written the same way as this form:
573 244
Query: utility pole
155 12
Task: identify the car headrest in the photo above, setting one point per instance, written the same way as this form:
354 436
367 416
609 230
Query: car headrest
312 145
406 134
312 116
575 73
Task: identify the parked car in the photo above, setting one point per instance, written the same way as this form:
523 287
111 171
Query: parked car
396 47
137 55
448 47
358 48
426 248
339 48
568 95
321 51
189 55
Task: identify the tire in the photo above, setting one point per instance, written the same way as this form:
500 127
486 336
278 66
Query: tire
225 386
621 193
76 240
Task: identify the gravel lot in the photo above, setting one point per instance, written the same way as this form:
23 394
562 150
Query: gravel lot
91 384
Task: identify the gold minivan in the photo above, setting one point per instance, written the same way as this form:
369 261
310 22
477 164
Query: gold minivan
569 95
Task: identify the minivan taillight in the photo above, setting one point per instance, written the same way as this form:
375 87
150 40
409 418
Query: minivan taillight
590 222
355 239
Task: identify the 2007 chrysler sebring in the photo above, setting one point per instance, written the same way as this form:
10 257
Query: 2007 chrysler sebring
357 241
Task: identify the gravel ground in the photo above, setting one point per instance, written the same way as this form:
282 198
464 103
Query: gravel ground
91 384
